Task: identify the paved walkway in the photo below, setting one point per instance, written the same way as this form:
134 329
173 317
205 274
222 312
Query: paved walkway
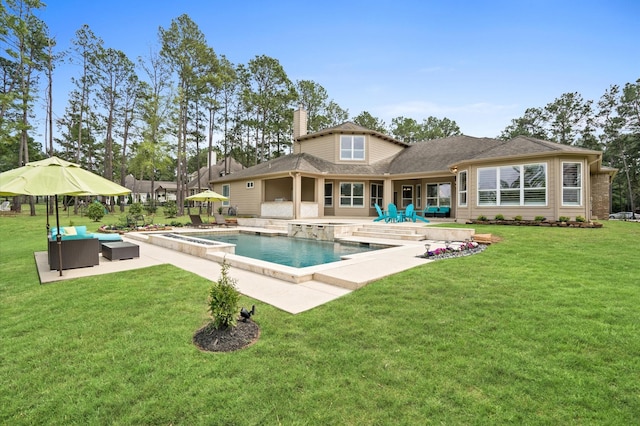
289 297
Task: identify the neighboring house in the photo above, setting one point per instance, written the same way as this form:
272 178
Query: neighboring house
219 169
346 170
141 191
166 190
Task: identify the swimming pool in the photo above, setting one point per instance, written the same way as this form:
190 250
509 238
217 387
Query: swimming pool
294 252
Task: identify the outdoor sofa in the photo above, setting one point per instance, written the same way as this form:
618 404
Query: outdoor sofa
79 247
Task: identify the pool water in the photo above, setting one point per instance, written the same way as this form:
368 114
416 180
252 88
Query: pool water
295 252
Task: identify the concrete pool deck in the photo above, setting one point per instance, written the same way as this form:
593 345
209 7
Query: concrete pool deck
336 279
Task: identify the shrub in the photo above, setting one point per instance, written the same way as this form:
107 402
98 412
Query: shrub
171 209
499 217
540 218
482 218
518 217
151 207
223 299
564 219
135 209
95 211
580 219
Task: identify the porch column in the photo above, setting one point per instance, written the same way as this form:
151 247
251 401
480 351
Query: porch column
387 191
297 195
320 196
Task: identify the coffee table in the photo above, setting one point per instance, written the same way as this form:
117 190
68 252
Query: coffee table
120 250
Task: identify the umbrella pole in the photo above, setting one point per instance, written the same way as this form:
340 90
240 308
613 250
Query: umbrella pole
58 236
48 227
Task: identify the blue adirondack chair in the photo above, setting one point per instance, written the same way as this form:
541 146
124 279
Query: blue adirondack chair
381 216
410 214
392 212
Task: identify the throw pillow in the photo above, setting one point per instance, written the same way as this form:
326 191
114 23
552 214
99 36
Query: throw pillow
70 230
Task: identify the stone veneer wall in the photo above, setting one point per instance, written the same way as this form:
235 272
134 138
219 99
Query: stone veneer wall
600 195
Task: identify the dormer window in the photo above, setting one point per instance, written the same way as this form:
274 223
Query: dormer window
352 147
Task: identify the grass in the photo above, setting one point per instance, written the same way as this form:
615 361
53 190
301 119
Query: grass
541 328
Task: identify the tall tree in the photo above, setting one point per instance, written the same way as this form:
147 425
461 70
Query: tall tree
185 48
321 112
26 39
229 98
155 111
619 118
531 124
115 73
569 118
405 129
268 94
435 128
85 47
365 119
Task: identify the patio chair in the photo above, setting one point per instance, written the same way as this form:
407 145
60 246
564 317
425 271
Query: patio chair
381 215
197 222
392 212
221 221
410 214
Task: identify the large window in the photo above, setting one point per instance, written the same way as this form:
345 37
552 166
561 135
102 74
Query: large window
351 194
226 191
376 194
352 147
438 195
328 194
571 184
462 188
518 185
407 195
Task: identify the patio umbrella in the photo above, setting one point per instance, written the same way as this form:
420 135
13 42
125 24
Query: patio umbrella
207 195
54 176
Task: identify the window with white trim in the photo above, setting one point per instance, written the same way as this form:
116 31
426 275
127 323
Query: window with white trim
352 147
226 190
462 188
376 194
516 185
250 184
351 194
571 184
328 194
438 195
407 195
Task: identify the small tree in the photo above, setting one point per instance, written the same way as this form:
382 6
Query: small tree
170 209
223 299
135 209
95 211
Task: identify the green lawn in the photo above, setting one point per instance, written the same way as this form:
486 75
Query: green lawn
541 328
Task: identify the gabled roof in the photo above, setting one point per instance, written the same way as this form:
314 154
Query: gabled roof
348 128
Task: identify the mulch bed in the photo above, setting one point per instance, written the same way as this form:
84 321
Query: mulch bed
228 339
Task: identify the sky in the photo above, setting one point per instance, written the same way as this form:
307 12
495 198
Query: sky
479 63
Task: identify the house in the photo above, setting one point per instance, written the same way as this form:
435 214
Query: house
141 191
344 171
219 169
